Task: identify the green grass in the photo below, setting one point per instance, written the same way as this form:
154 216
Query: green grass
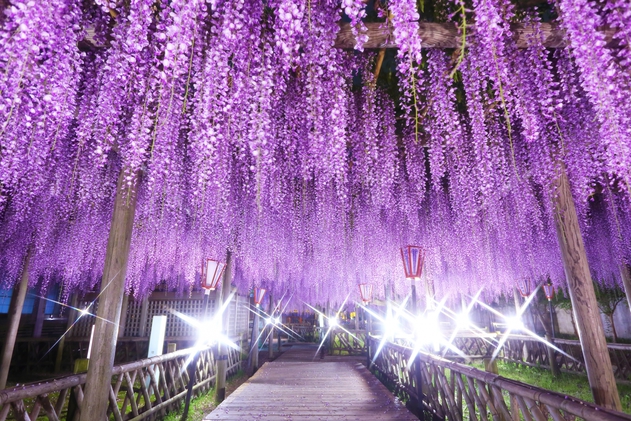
203 404
569 384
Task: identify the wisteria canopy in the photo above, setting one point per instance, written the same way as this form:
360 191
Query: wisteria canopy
241 127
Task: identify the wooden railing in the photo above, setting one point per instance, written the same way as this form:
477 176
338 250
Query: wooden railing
529 351
138 390
300 331
447 390
351 342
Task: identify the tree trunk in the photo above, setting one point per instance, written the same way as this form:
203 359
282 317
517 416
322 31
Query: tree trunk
625 275
123 319
614 339
546 322
39 317
99 377
15 313
71 319
581 291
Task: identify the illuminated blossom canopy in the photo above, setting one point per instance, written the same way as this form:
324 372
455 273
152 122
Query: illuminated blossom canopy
240 126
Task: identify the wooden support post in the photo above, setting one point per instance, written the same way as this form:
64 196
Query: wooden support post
99 377
144 314
39 317
15 313
280 318
72 314
581 291
270 335
222 357
625 275
123 321
254 343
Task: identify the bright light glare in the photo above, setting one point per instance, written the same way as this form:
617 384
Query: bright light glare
84 312
428 330
268 321
514 323
462 321
333 322
277 321
209 333
390 326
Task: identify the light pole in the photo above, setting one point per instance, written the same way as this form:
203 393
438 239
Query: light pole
525 291
259 293
365 290
211 274
549 291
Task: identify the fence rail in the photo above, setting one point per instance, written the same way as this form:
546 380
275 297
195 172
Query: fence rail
138 389
348 342
529 351
452 391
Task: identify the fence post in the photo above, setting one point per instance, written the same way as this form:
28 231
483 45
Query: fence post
192 378
419 389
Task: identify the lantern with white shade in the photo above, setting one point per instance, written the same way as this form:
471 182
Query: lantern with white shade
211 274
365 290
259 293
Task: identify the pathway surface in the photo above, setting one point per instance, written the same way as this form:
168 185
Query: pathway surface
296 387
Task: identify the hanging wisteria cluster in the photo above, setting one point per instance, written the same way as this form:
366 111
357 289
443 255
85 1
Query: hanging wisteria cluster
240 127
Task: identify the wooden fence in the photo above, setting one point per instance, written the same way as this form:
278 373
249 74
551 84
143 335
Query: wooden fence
140 389
529 351
446 390
349 342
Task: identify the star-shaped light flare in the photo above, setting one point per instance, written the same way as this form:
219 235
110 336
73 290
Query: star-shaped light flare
391 324
82 312
513 326
333 323
209 331
275 322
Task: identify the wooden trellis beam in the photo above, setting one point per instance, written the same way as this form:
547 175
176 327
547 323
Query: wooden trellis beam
445 35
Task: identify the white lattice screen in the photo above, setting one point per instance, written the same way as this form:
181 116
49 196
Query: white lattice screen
140 315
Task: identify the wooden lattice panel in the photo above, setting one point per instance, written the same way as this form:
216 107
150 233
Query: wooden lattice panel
132 323
83 324
138 322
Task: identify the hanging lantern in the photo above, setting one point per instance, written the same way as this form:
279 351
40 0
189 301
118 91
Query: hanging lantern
365 290
549 290
259 293
413 257
211 274
524 288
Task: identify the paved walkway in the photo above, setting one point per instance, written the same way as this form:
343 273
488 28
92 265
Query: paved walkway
296 387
